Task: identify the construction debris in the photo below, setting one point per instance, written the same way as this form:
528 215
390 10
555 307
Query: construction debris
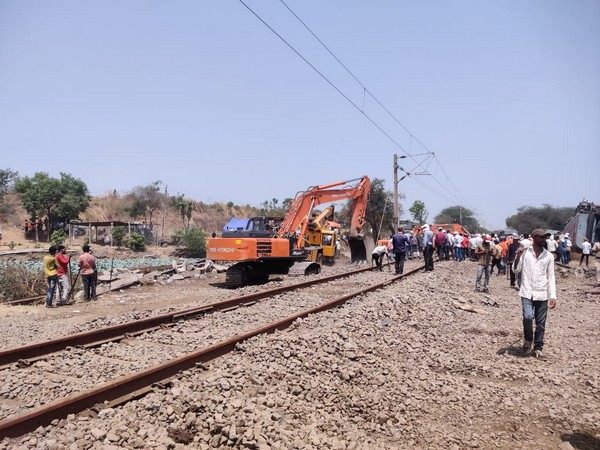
121 278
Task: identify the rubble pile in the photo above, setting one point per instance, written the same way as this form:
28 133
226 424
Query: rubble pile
120 278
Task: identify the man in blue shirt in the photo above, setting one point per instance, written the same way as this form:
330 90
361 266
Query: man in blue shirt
401 244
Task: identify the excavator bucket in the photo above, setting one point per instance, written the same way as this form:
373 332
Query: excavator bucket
358 251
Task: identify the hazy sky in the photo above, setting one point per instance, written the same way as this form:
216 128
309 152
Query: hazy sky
206 98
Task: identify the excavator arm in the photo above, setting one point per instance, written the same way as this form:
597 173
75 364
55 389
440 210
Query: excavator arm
357 190
306 201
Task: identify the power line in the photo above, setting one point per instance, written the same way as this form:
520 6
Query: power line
324 77
361 109
366 90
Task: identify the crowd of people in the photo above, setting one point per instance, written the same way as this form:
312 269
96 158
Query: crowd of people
497 252
526 260
30 225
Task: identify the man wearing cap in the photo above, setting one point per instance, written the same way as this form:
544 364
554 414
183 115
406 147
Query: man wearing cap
538 289
428 248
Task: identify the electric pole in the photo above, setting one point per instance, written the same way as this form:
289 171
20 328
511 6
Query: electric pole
395 192
162 231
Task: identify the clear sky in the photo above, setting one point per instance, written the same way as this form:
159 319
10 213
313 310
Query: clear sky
203 96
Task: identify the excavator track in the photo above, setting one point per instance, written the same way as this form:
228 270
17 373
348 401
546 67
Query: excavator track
245 274
257 272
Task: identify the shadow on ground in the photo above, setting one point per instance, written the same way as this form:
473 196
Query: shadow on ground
512 350
581 441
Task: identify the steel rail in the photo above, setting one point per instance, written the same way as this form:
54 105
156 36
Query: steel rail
24 301
44 415
117 332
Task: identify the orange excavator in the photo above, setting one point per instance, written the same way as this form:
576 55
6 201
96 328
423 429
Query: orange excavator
296 243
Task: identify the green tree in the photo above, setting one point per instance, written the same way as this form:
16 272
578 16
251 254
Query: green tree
380 210
145 200
272 207
136 242
7 179
418 212
62 199
458 214
549 217
379 215
118 234
74 200
58 237
230 205
285 205
192 241
185 208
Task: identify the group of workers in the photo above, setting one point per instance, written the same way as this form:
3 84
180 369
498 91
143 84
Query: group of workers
57 264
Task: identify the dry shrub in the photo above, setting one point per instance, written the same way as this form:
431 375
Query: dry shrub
17 282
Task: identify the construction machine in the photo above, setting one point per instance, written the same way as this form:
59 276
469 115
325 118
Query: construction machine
319 240
296 244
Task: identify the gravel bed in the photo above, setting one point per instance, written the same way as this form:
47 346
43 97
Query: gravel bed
118 359
399 368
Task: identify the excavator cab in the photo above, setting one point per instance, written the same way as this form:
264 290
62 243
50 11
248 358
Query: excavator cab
321 244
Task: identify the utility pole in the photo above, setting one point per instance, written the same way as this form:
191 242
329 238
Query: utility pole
396 218
406 174
162 231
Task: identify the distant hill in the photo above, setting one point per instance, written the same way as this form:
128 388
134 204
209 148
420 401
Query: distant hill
208 217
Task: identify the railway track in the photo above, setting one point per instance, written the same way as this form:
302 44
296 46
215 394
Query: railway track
122 362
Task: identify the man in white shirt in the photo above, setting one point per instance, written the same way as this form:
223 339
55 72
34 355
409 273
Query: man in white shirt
538 289
377 255
551 246
586 249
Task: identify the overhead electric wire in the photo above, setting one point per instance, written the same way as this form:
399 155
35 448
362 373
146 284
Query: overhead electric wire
353 76
324 77
448 178
361 110
366 89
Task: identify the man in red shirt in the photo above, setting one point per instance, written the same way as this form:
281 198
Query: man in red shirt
63 274
87 265
439 241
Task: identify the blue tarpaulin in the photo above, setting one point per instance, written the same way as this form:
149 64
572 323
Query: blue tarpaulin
236 224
